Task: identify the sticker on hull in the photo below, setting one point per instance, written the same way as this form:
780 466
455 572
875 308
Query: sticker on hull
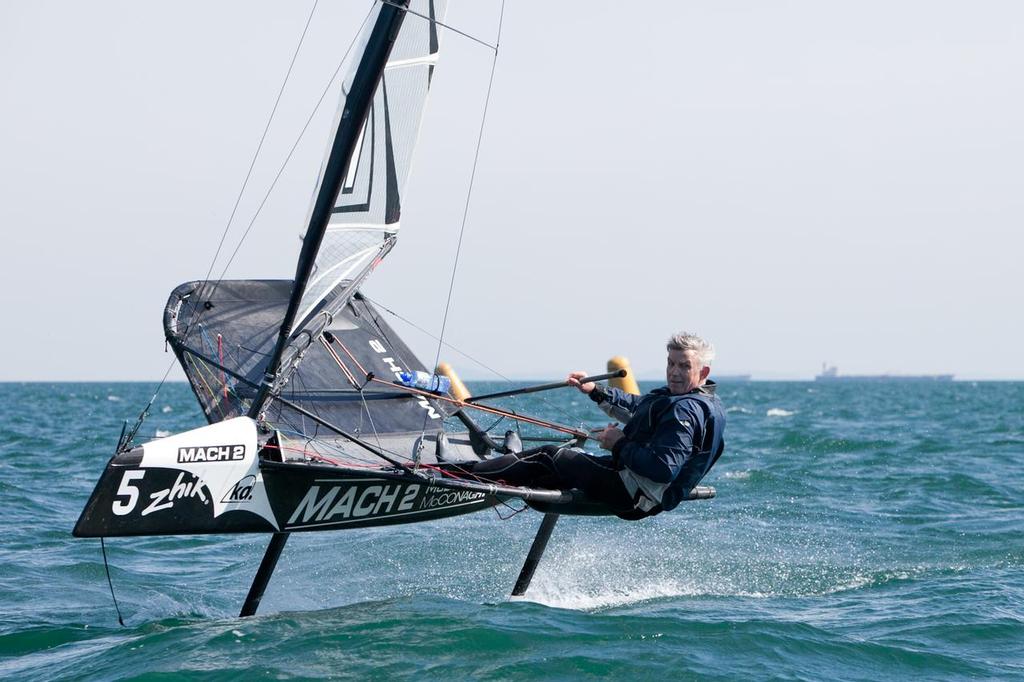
337 503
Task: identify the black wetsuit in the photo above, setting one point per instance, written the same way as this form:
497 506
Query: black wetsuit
670 442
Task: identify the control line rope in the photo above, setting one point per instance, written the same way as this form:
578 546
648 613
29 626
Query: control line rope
548 403
460 403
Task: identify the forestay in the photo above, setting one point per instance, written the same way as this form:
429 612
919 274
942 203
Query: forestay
365 219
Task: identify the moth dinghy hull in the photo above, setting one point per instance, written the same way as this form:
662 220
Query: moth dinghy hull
220 479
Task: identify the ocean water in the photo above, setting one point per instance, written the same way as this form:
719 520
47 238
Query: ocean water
861 532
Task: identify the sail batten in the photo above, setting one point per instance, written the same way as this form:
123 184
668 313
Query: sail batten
413 61
342 227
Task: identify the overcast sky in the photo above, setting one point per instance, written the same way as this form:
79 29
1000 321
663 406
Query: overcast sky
798 181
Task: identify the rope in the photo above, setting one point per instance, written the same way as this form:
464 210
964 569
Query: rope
460 403
359 387
469 195
492 410
344 368
547 402
110 582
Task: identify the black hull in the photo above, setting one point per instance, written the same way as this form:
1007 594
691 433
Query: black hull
129 500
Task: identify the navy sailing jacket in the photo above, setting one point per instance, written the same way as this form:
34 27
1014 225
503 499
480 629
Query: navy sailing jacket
670 441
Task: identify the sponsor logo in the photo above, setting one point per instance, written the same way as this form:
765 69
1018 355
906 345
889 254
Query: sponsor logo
242 490
179 490
339 502
211 453
449 498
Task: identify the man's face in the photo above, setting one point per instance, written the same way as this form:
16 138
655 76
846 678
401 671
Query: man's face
684 371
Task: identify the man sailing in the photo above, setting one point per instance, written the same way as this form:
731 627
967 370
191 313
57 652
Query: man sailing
671 438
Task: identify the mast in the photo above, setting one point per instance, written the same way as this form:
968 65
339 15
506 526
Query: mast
357 107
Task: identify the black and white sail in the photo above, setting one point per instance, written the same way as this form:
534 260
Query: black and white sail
308 429
225 335
366 216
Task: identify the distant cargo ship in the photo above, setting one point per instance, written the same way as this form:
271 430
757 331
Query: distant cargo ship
832 374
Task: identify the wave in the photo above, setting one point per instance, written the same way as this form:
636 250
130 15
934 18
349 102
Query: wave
779 412
563 592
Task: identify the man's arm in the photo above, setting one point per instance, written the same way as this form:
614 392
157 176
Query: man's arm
613 402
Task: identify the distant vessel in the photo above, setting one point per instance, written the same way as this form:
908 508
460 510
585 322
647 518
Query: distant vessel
831 373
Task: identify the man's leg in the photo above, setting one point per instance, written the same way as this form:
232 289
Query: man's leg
557 469
594 475
532 469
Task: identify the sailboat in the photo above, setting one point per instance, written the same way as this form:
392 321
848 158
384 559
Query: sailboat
311 427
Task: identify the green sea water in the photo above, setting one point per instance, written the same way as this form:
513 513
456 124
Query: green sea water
861 532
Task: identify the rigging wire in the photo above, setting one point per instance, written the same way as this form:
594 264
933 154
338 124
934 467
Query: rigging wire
514 510
288 158
435 337
451 28
469 195
300 380
554 407
252 164
196 316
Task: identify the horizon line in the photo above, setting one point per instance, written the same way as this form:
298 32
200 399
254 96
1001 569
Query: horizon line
752 379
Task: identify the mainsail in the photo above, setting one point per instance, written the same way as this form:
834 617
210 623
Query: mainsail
365 219
237 352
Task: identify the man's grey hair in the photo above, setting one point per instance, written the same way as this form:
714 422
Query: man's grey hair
704 351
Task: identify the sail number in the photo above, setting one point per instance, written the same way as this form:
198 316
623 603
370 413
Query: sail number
422 401
129 490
